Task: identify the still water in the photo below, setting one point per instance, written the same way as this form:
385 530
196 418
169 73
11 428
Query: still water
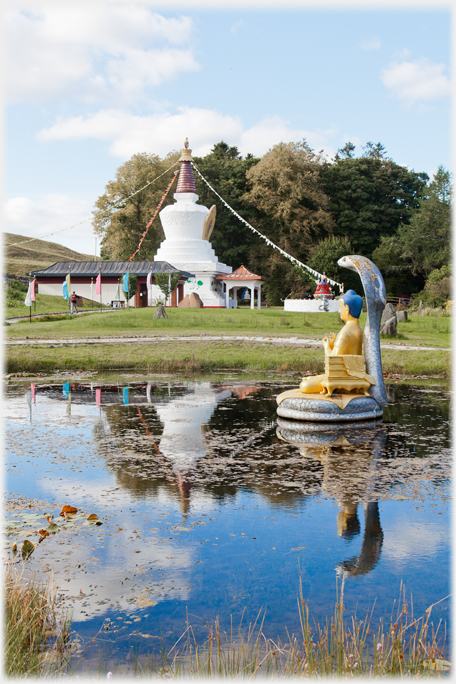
211 505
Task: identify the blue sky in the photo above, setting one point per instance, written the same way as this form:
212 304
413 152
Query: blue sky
89 85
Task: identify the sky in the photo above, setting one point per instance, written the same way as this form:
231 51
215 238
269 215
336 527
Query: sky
88 85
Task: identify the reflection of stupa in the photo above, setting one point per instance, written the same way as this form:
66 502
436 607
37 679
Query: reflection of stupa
182 441
188 227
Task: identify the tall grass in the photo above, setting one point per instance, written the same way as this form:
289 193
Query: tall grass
342 647
37 633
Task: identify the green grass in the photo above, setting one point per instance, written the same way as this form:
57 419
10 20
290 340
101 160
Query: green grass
47 304
419 330
205 356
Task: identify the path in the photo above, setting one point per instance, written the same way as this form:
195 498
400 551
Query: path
278 341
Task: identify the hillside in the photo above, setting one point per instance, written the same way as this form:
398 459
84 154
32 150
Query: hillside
36 255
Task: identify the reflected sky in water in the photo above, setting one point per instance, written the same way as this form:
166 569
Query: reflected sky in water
212 505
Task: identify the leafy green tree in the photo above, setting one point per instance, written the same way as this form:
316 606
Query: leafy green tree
324 260
422 245
167 283
225 169
121 227
293 212
370 196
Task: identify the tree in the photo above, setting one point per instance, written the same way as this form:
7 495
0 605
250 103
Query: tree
167 283
370 196
225 169
121 227
422 245
324 260
293 212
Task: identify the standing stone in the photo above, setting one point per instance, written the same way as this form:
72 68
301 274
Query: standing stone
195 301
160 312
402 315
389 321
185 302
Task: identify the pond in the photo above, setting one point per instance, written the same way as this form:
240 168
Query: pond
212 506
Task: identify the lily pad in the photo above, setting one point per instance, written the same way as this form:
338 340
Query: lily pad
27 548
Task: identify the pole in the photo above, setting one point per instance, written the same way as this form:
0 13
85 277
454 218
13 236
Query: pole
95 249
91 290
101 308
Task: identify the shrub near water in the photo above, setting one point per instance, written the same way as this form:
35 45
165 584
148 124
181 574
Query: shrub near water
36 635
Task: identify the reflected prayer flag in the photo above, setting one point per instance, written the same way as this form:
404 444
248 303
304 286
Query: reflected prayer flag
32 387
125 395
66 389
98 284
98 396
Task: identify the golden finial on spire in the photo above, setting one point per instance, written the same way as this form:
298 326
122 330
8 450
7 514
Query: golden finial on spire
186 153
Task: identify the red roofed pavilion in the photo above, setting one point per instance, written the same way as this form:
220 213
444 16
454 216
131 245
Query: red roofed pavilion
240 279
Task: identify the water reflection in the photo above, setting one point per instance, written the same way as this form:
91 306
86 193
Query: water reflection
190 447
349 455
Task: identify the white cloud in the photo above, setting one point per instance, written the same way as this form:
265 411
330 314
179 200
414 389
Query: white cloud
106 52
416 80
237 25
416 541
164 131
372 44
49 214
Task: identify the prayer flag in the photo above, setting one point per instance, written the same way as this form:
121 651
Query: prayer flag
125 283
33 290
66 294
98 284
118 292
98 396
28 296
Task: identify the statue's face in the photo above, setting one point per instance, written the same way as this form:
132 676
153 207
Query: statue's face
343 310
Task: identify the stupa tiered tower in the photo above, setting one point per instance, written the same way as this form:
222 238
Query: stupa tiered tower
187 227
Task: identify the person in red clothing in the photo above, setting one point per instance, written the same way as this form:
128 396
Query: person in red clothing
73 303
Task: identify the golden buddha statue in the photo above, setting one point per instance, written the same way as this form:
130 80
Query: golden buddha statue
345 368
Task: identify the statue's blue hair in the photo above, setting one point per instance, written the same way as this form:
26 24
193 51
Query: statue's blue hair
354 303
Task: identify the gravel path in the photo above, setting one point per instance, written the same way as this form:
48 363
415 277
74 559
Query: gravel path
277 341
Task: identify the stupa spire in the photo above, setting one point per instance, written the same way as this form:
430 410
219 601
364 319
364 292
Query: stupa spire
186 182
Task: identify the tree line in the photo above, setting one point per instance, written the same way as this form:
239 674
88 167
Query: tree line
314 209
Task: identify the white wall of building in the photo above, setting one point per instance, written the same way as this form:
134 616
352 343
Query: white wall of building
310 305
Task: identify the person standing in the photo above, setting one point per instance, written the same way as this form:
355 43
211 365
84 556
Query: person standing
73 303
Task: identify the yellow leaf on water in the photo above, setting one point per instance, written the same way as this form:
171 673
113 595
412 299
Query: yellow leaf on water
93 516
70 510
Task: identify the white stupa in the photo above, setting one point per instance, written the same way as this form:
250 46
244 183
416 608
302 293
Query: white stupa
187 227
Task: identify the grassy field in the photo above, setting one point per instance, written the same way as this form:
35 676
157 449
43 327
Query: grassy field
205 355
419 330
23 255
45 304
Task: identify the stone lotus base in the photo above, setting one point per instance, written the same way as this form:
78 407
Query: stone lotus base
327 434
318 408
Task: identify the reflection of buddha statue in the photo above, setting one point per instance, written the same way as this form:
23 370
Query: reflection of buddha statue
345 368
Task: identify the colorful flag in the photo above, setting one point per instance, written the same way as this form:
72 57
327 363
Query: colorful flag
125 395
33 291
32 386
125 283
28 296
66 294
68 282
117 292
98 396
98 284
